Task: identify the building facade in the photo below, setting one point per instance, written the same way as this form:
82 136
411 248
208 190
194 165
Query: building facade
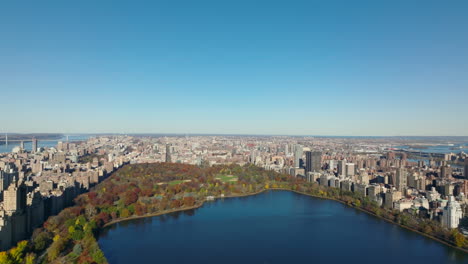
452 213
313 161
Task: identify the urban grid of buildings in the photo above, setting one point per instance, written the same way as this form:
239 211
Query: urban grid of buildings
39 183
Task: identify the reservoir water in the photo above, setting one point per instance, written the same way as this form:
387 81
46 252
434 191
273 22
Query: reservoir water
272 227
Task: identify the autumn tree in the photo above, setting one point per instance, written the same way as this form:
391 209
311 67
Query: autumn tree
189 201
458 238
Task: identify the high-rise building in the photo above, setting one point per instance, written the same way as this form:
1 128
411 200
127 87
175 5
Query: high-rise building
253 155
390 155
168 153
342 168
15 198
452 213
34 145
401 179
404 156
359 164
466 168
371 163
363 177
390 197
350 169
7 176
60 146
308 155
313 161
297 155
445 172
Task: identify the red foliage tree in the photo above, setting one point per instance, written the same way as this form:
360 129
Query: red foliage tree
102 218
92 195
130 197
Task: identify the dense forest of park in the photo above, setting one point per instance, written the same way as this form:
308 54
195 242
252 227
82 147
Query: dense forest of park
139 190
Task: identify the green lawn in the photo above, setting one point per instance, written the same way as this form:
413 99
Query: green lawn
226 178
175 182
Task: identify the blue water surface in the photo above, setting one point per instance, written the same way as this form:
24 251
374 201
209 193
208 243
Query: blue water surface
272 227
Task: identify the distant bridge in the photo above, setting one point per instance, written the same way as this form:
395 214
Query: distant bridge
6 140
27 140
423 154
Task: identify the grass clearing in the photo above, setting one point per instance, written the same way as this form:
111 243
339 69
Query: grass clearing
227 178
175 182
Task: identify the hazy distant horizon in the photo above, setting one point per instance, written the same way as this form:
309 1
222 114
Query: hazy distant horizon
229 134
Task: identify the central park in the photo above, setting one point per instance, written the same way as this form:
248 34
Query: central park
149 190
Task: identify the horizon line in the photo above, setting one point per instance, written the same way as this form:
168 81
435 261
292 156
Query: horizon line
223 134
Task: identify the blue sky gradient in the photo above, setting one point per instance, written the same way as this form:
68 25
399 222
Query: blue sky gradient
237 67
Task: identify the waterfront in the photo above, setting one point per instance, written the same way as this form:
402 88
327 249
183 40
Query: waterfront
272 227
48 143
445 149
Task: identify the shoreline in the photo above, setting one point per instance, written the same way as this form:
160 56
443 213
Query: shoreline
284 189
380 217
177 210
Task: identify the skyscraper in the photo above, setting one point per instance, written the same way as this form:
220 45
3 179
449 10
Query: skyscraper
342 168
313 161
253 156
452 213
446 171
308 161
297 155
15 198
168 153
350 169
401 179
34 145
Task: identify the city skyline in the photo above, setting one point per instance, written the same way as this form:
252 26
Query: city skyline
274 68
156 134
265 131
40 181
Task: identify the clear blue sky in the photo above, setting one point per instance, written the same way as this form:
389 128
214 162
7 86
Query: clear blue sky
244 66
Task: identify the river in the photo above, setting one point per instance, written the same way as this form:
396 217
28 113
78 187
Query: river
48 143
272 227
446 149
